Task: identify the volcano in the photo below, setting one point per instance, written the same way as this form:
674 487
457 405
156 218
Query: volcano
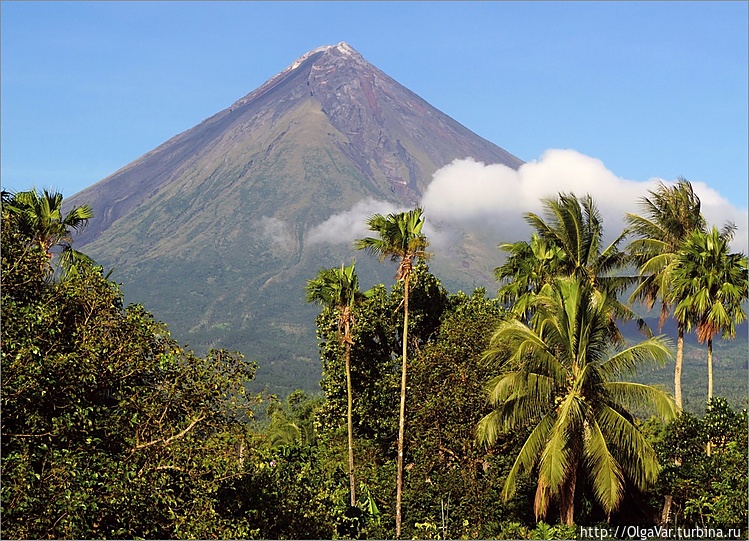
211 230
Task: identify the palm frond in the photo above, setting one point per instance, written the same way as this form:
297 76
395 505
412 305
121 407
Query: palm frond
653 352
640 396
70 260
528 454
605 473
635 455
518 411
558 454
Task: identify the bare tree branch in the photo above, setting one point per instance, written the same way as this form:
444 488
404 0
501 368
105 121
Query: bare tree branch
167 441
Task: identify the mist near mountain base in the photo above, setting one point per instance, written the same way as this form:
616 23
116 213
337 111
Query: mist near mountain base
345 227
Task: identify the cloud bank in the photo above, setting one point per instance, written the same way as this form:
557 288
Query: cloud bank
467 195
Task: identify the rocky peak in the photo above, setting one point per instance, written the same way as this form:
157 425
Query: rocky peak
380 125
342 50
319 61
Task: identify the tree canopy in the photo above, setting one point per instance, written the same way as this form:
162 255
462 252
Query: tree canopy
110 428
522 407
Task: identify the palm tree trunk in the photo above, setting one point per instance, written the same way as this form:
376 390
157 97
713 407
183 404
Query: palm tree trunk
567 499
666 513
709 369
350 421
679 364
709 382
402 417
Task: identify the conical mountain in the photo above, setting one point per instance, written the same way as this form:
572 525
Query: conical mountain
210 229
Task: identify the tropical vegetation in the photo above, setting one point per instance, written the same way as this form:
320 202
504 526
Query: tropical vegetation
338 289
671 214
561 377
400 239
441 415
39 215
709 284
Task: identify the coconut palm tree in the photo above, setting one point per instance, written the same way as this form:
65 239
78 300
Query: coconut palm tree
567 242
670 215
560 376
40 217
528 267
338 289
575 225
400 239
709 284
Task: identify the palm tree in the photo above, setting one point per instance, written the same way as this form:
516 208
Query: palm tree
560 376
569 242
709 284
528 267
40 218
399 238
338 289
670 215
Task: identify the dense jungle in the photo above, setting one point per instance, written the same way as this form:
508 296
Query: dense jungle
551 409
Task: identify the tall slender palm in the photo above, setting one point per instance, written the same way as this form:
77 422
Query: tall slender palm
560 375
709 284
400 239
670 215
568 242
338 289
40 217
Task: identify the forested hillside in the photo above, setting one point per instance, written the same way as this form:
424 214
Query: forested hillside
442 415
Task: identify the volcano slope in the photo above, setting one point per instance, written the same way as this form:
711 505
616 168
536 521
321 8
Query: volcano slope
217 230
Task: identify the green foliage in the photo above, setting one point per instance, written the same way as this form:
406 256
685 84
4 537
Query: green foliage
399 239
453 482
529 266
38 216
297 487
335 288
568 242
292 422
288 493
709 284
708 490
450 481
338 289
375 381
374 363
372 368
562 376
670 215
574 226
558 531
730 371
110 429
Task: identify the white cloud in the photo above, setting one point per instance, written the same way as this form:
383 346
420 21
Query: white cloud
347 226
466 194
718 210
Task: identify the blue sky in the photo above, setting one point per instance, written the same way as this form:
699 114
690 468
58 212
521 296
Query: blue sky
651 89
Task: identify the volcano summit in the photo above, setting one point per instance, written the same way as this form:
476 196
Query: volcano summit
210 230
